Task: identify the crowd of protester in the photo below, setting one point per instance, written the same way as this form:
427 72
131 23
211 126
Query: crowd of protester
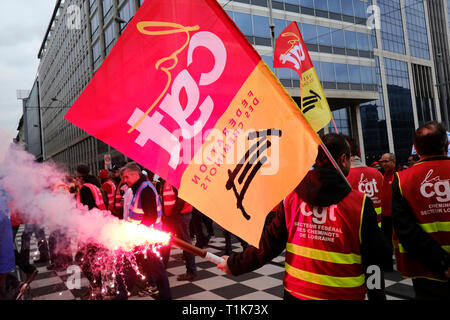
380 210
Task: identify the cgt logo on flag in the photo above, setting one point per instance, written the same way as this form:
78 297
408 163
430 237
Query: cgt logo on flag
291 52
185 95
152 127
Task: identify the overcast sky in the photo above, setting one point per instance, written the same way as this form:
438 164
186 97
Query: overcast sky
22 28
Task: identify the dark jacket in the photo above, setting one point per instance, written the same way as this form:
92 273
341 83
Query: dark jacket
419 244
148 202
87 198
320 187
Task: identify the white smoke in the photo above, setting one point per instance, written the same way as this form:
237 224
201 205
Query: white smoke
31 185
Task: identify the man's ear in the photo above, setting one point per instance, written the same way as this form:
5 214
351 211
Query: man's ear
341 160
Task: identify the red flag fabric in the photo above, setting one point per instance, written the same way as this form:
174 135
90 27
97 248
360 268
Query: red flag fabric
291 52
185 95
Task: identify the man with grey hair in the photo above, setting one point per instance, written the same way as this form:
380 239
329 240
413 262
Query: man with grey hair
388 163
144 208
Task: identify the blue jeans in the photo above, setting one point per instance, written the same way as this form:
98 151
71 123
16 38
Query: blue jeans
179 224
228 249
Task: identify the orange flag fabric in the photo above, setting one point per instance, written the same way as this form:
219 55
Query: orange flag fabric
184 94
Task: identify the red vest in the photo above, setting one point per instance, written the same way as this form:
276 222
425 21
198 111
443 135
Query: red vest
426 188
323 258
169 199
369 181
110 189
95 193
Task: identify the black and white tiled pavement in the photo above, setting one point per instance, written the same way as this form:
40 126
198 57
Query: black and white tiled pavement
211 284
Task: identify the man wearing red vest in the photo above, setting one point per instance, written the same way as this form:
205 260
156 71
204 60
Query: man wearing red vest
421 215
89 195
330 234
177 216
388 163
108 186
365 179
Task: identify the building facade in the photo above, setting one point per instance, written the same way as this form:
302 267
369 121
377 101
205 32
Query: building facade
32 123
379 78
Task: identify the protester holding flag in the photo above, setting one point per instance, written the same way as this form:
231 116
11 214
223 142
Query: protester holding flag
329 231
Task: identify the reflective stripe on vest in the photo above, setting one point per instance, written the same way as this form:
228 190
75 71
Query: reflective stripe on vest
95 193
426 188
169 198
323 258
378 211
118 198
111 194
136 214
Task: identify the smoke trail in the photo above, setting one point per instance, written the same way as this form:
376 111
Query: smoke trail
31 185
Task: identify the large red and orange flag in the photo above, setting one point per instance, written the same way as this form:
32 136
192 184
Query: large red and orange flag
185 95
291 52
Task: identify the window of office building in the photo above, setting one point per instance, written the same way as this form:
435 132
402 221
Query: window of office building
92 5
341 72
279 26
350 39
107 9
347 7
244 23
400 106
97 54
309 33
354 72
126 13
373 122
417 29
392 36
109 38
334 6
340 118
261 30
324 35
448 9
337 36
94 25
326 71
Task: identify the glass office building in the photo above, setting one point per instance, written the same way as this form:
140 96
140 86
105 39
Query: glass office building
380 82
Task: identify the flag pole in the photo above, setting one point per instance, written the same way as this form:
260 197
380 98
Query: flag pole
334 124
336 166
197 251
